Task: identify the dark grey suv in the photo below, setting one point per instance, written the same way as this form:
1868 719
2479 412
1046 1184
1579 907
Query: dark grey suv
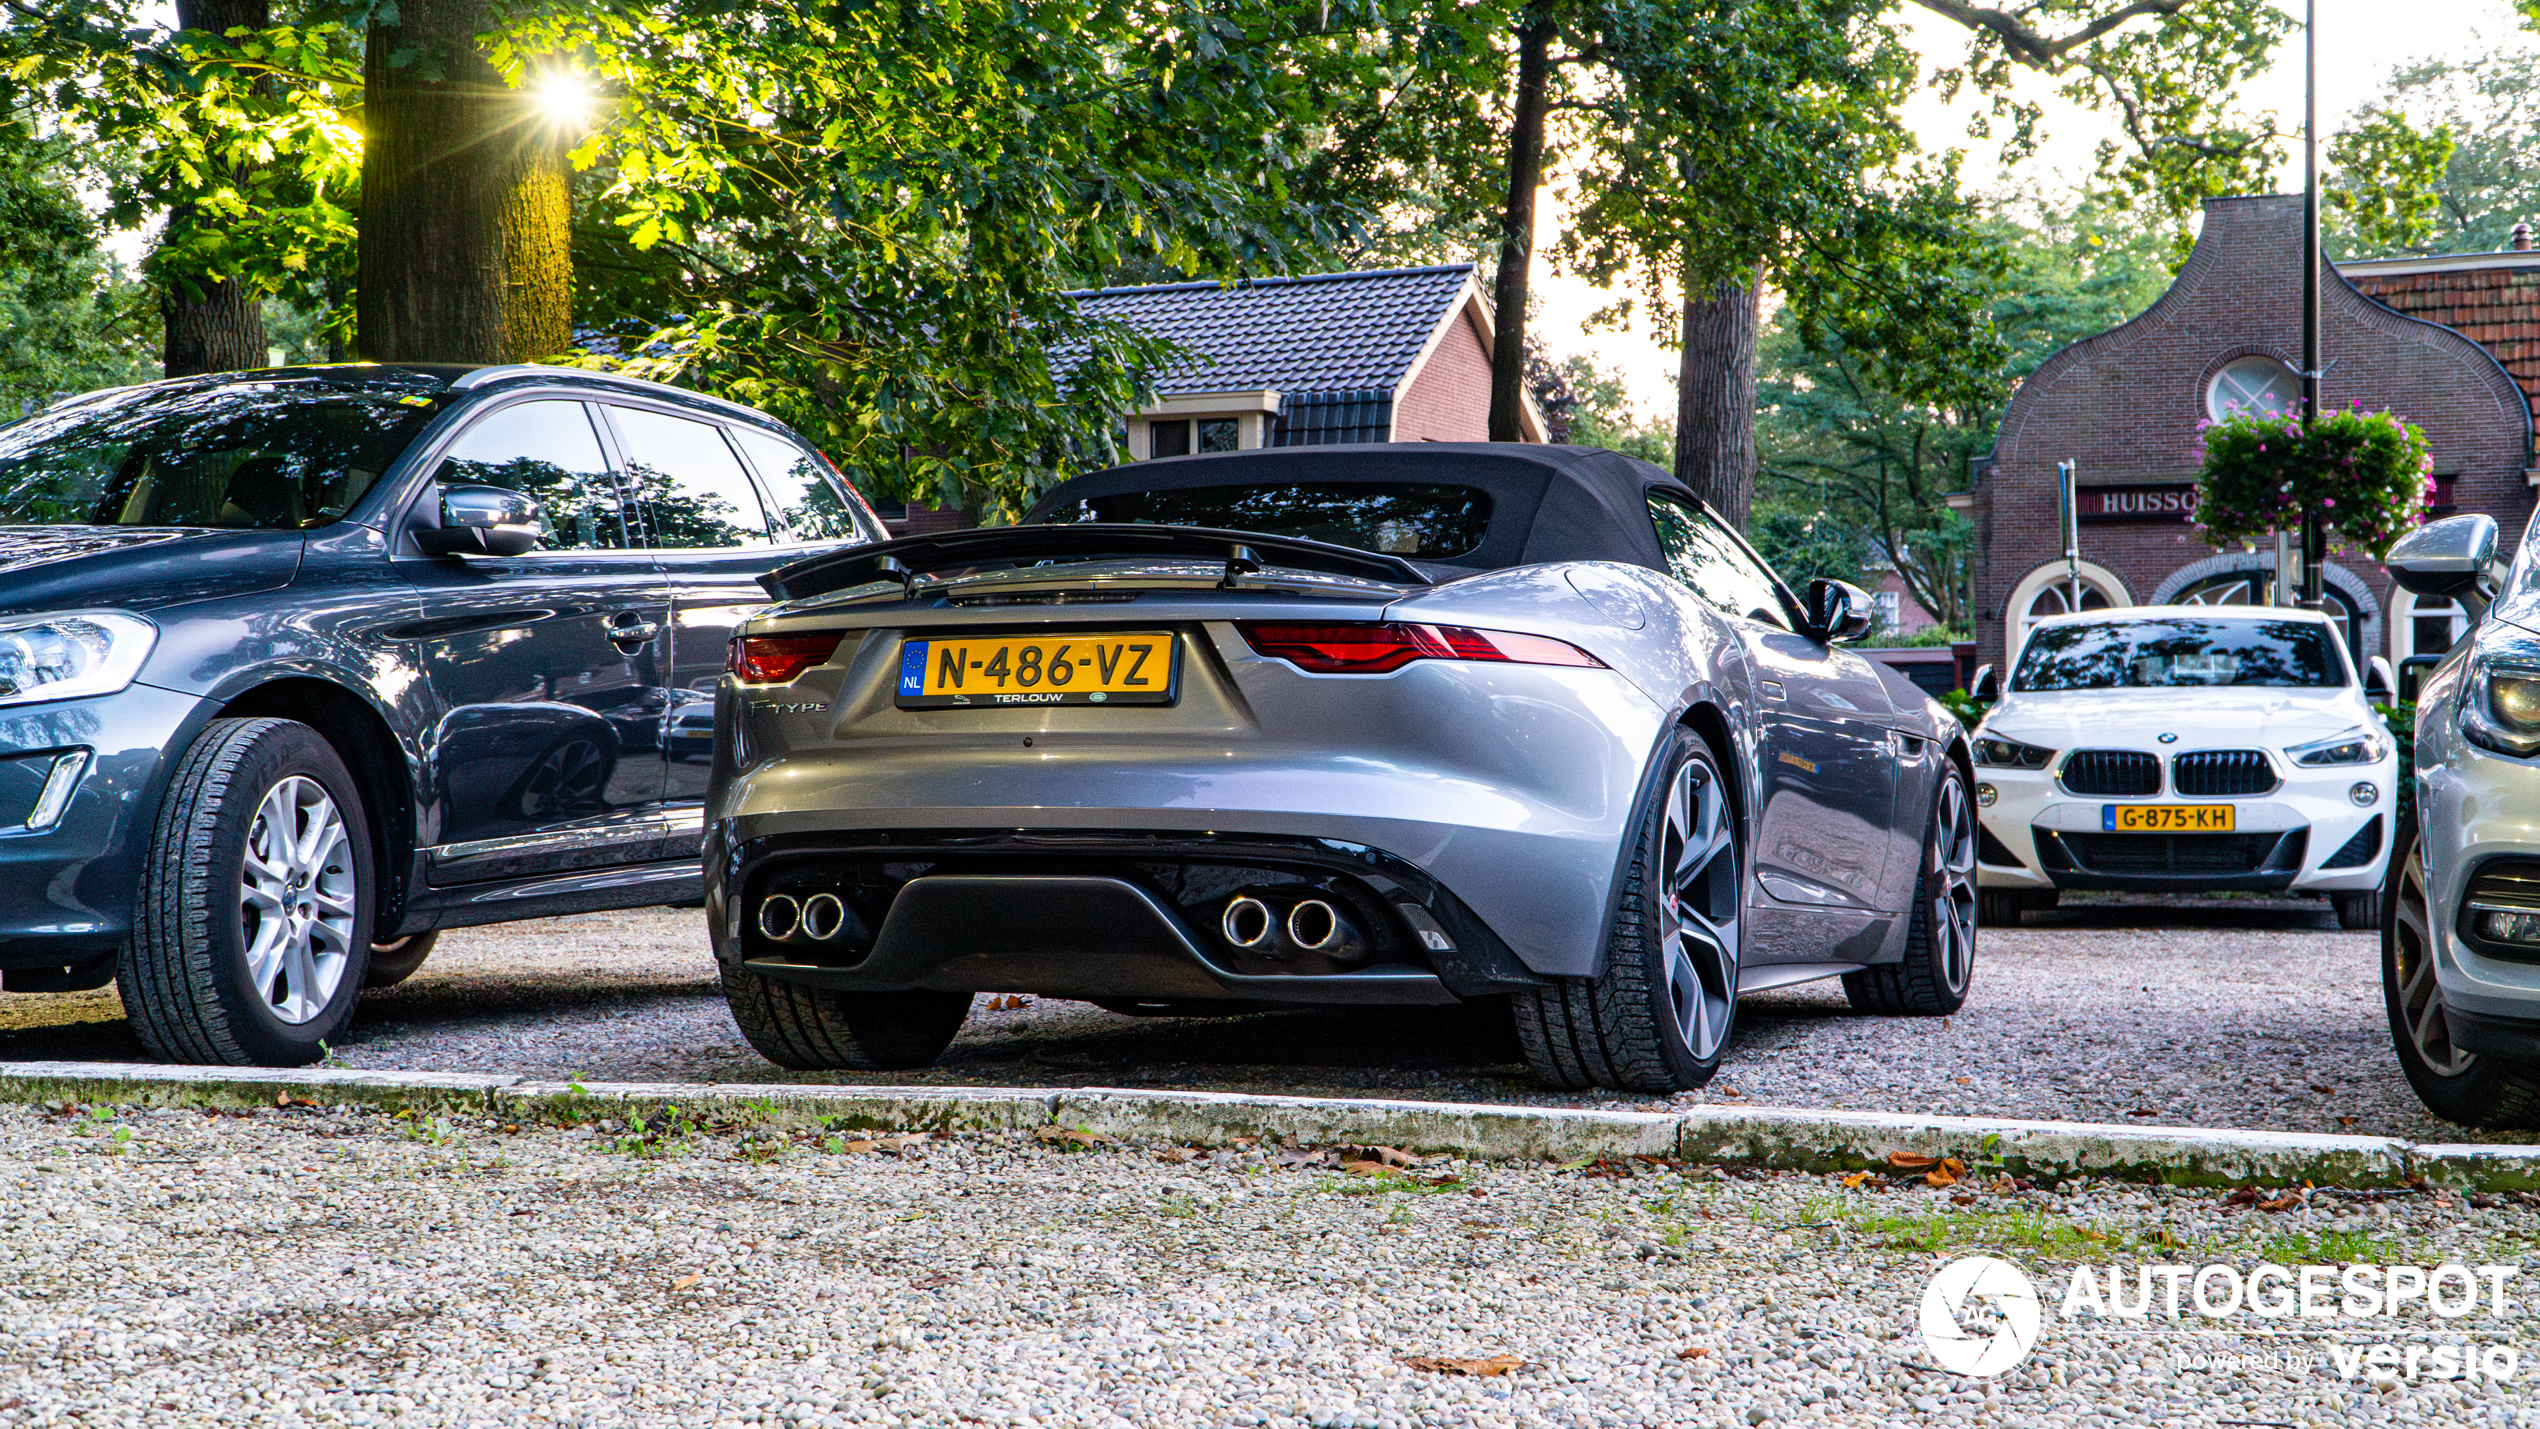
298 667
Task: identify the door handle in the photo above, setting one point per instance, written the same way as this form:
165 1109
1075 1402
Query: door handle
638 631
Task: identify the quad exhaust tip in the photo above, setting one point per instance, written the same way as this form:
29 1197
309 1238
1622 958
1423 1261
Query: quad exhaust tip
1314 925
1248 922
824 917
778 916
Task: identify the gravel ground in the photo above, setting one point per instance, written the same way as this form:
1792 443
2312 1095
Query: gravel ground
2217 1013
320 1267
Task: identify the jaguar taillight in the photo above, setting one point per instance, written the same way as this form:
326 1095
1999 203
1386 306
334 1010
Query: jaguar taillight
776 659
1378 649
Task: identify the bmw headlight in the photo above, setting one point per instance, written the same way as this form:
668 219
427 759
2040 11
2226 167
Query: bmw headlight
2500 699
2359 745
1995 752
65 657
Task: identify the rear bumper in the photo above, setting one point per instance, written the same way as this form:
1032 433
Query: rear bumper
1095 914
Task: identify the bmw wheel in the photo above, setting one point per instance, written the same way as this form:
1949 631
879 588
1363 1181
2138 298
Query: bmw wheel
2470 1088
1940 946
251 932
1658 1018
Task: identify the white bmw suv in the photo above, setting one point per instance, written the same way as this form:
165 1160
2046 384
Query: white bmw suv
2185 749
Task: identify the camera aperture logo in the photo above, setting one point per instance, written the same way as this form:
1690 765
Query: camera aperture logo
1958 1290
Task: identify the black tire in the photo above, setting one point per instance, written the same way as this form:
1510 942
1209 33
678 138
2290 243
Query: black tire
2469 1088
393 963
1999 908
1658 1017
1939 965
186 981
2357 912
813 1029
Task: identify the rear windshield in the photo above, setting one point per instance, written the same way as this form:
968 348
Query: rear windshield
279 455
1434 523
2178 652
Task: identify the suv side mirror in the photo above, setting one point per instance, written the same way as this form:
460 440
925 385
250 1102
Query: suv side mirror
2380 686
1837 611
2454 558
1987 688
484 521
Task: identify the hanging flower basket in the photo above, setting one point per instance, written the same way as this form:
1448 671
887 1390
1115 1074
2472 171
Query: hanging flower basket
2368 473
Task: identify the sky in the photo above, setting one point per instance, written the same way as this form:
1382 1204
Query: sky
2361 42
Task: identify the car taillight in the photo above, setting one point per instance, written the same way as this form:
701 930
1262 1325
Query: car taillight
1378 649
775 659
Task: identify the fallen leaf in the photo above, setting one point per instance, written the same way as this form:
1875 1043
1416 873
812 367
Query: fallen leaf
1693 1352
282 1099
511 1128
2348 1121
524 1210
2321 1090
1853 1181
1005 1004
2245 1196
861 1146
2282 1203
1944 1174
1966 1081
2143 1111
1175 1155
1486 1368
1064 1136
1368 1168
899 1145
2168 1238
1294 1157
2482 1200
687 1282
1910 1161
1381 1155
1962 1198
2443 1203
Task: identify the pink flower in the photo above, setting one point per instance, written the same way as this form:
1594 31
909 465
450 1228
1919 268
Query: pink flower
2328 501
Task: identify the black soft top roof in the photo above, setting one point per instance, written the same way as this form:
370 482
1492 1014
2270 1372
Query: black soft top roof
1547 503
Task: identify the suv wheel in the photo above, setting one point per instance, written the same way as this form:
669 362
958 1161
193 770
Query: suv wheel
1657 1019
2471 1088
393 963
251 932
1939 965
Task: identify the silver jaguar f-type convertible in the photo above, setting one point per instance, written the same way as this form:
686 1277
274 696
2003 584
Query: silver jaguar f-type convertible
1378 724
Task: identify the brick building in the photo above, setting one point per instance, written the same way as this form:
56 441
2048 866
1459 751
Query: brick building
2125 406
1390 355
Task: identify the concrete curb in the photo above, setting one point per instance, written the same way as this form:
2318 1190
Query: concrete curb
1779 1138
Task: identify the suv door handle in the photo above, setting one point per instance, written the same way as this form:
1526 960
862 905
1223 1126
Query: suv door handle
638 631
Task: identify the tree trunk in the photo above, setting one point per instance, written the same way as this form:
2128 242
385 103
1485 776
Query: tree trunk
1715 396
464 253
1517 231
222 330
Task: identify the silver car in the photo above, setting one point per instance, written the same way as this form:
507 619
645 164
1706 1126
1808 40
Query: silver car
1381 724
2460 937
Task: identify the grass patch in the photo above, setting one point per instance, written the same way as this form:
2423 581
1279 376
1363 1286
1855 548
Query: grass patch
1933 1229
1393 1185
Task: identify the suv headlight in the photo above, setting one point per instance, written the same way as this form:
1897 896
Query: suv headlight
65 657
2360 745
1995 752
2500 700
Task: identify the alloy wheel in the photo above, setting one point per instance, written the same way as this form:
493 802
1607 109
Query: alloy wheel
1698 914
2420 996
1950 881
296 899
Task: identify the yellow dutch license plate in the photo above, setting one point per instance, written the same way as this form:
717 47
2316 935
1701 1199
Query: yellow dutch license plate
2165 818
1128 668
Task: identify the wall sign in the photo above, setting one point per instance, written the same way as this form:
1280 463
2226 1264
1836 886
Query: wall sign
2137 503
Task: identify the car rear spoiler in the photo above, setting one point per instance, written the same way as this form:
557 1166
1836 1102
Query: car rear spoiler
914 558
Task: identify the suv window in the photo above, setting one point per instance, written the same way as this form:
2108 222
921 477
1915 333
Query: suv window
694 491
546 451
805 503
1707 560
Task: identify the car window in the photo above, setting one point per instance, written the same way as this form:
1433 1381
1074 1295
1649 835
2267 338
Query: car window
2178 651
693 489
1705 559
287 454
807 504
1435 523
547 452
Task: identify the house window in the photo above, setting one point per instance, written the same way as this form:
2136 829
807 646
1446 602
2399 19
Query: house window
2434 624
2253 384
1884 610
1168 439
1217 434
1181 436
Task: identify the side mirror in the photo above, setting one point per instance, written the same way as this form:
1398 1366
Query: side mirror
1837 611
2380 686
1987 688
2454 558
484 521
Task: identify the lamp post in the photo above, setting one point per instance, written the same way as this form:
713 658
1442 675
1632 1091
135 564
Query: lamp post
2314 522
